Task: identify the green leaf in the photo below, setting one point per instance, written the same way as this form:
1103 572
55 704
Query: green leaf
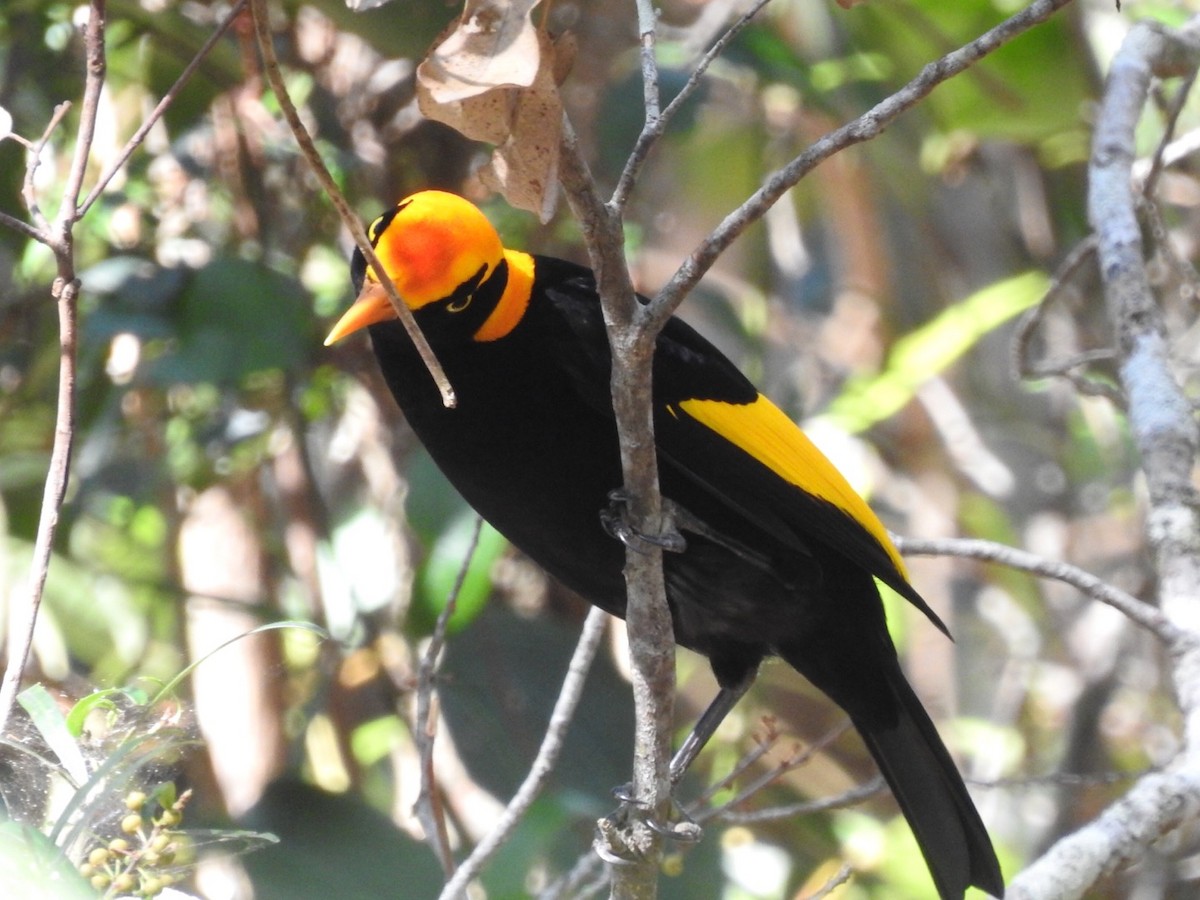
235 318
437 577
334 845
32 868
52 724
83 708
931 349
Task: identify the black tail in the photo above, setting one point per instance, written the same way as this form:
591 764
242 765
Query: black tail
933 798
923 778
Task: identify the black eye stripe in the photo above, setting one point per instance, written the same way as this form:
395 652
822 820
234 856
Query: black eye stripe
380 225
461 298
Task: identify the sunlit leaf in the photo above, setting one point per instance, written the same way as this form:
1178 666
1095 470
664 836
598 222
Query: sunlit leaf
932 348
52 725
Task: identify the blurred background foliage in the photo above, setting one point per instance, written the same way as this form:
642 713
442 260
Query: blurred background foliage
230 471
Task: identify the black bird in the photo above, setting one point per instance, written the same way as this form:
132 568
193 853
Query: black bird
781 554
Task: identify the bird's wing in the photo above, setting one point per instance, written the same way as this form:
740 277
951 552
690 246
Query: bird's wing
719 433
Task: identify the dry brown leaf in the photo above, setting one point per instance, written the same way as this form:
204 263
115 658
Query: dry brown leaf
525 167
509 99
495 44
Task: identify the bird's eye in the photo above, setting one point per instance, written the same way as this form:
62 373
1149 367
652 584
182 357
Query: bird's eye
465 292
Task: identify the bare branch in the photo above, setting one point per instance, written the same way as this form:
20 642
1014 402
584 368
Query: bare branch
23 228
836 880
1138 611
655 127
1165 432
851 797
34 161
1156 805
647 28
24 619
1159 412
586 878
1069 367
867 126
651 638
427 807
93 84
349 218
65 292
544 762
155 114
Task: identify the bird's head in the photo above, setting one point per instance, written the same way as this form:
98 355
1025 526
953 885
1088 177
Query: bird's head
441 253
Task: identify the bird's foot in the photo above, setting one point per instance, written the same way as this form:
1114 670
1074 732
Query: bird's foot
615 520
681 827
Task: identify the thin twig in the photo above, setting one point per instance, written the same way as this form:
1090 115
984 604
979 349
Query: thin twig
865 127
1139 612
427 806
92 87
851 797
543 763
748 760
1157 161
836 880
157 113
23 228
28 192
1024 367
585 878
349 218
65 292
655 127
24 620
796 760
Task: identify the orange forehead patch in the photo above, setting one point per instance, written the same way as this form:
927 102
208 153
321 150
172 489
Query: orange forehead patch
424 254
435 243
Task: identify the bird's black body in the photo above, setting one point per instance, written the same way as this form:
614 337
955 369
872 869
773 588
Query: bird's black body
772 568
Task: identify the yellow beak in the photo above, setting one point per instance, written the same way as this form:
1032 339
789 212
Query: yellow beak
371 306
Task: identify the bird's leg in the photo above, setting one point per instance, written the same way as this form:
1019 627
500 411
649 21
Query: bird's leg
683 828
614 520
706 726
686 521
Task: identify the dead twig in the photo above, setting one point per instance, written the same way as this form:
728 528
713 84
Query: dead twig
1137 611
545 760
350 219
58 237
427 806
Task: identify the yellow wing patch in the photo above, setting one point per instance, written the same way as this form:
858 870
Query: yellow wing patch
765 432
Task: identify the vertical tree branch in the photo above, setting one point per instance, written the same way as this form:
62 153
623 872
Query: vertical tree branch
1165 433
65 292
167 99
651 637
427 806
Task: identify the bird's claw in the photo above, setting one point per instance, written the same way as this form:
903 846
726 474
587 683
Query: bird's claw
683 829
615 521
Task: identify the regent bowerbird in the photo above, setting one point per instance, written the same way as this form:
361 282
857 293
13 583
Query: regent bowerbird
780 556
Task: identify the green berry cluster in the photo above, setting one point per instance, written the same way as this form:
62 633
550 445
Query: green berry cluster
139 863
